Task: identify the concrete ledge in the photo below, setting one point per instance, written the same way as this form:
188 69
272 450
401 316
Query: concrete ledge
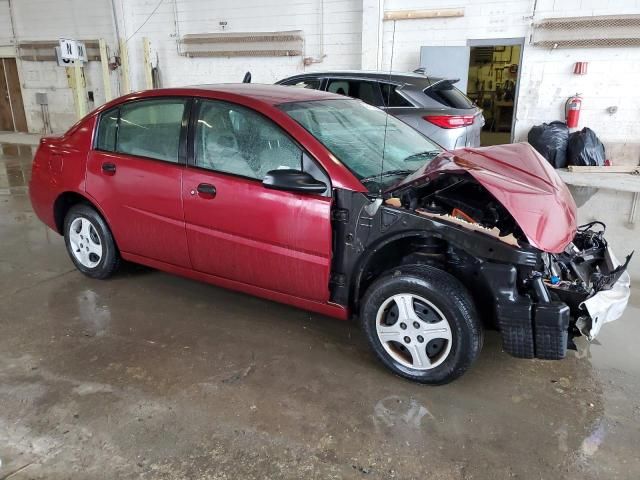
19 138
622 182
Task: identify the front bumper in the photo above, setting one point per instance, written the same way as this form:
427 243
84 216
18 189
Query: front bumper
540 324
606 305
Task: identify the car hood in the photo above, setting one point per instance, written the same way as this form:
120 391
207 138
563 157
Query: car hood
522 180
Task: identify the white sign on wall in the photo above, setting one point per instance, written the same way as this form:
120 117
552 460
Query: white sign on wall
68 49
71 50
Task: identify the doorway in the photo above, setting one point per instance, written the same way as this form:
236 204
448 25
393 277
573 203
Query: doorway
12 116
492 83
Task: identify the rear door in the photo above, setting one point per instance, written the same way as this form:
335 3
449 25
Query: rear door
366 90
313 83
241 231
134 172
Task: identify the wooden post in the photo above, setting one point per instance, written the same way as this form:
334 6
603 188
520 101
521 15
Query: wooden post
148 78
106 78
124 64
78 88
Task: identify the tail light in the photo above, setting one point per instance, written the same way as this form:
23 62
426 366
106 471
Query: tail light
450 121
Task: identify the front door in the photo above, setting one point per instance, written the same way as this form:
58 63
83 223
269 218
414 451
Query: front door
239 230
135 171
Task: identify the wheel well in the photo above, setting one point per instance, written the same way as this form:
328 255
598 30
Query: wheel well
401 251
63 203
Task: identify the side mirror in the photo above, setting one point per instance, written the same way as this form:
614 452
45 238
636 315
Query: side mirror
293 180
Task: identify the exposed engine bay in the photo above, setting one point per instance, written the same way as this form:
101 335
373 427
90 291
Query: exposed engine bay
461 200
582 269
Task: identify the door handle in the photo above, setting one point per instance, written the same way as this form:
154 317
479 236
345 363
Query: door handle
109 168
206 190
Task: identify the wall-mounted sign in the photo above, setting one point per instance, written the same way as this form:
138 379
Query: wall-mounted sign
72 50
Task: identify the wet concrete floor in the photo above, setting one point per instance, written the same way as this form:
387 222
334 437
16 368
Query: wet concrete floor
153 376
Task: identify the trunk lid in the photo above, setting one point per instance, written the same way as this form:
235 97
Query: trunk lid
521 180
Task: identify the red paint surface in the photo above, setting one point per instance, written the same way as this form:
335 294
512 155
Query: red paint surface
269 243
524 182
250 234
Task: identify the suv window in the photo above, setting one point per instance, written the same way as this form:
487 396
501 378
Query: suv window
392 98
313 83
151 128
445 93
368 92
234 139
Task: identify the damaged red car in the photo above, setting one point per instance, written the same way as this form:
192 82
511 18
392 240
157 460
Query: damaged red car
328 204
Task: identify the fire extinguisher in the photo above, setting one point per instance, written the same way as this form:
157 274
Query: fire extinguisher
572 110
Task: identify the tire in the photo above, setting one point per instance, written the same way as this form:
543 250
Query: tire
89 242
422 349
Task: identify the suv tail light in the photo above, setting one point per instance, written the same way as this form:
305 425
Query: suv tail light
450 121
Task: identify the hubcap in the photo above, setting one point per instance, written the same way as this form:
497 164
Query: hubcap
413 331
85 242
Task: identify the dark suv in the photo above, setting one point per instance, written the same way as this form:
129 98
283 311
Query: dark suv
433 106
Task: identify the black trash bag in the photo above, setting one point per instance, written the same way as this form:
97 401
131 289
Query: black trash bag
585 149
550 140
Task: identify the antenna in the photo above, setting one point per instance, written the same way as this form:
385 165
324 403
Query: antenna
386 119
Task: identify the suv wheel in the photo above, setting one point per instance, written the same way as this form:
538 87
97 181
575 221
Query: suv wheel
422 324
90 243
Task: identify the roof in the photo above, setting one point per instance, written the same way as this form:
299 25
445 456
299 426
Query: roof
271 94
408 78
266 94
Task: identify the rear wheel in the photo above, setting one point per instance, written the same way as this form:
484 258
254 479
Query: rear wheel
422 324
89 242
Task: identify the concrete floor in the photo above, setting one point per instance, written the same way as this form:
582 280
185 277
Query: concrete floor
152 376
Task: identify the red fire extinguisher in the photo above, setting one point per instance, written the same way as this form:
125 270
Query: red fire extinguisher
572 110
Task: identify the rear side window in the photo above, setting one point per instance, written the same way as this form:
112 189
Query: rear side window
392 98
368 92
312 83
107 130
447 94
151 128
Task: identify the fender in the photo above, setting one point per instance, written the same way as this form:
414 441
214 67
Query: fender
362 226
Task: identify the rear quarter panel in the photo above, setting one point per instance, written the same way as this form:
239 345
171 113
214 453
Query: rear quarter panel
58 167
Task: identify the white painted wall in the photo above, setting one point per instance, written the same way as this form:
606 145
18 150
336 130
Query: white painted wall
546 75
5 24
354 37
50 20
341 24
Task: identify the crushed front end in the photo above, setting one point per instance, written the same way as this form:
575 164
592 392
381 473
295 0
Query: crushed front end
589 279
540 310
574 285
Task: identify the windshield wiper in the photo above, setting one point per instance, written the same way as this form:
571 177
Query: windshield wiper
427 154
389 173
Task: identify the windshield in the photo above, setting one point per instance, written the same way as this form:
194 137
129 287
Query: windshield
355 133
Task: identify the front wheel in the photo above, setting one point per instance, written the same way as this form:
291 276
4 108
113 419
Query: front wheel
89 242
422 324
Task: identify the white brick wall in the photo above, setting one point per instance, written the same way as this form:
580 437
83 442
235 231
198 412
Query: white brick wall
546 76
354 37
50 20
342 37
5 23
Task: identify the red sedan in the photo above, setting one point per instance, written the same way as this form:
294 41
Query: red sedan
328 204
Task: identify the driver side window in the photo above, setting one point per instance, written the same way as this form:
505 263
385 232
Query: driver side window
236 140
